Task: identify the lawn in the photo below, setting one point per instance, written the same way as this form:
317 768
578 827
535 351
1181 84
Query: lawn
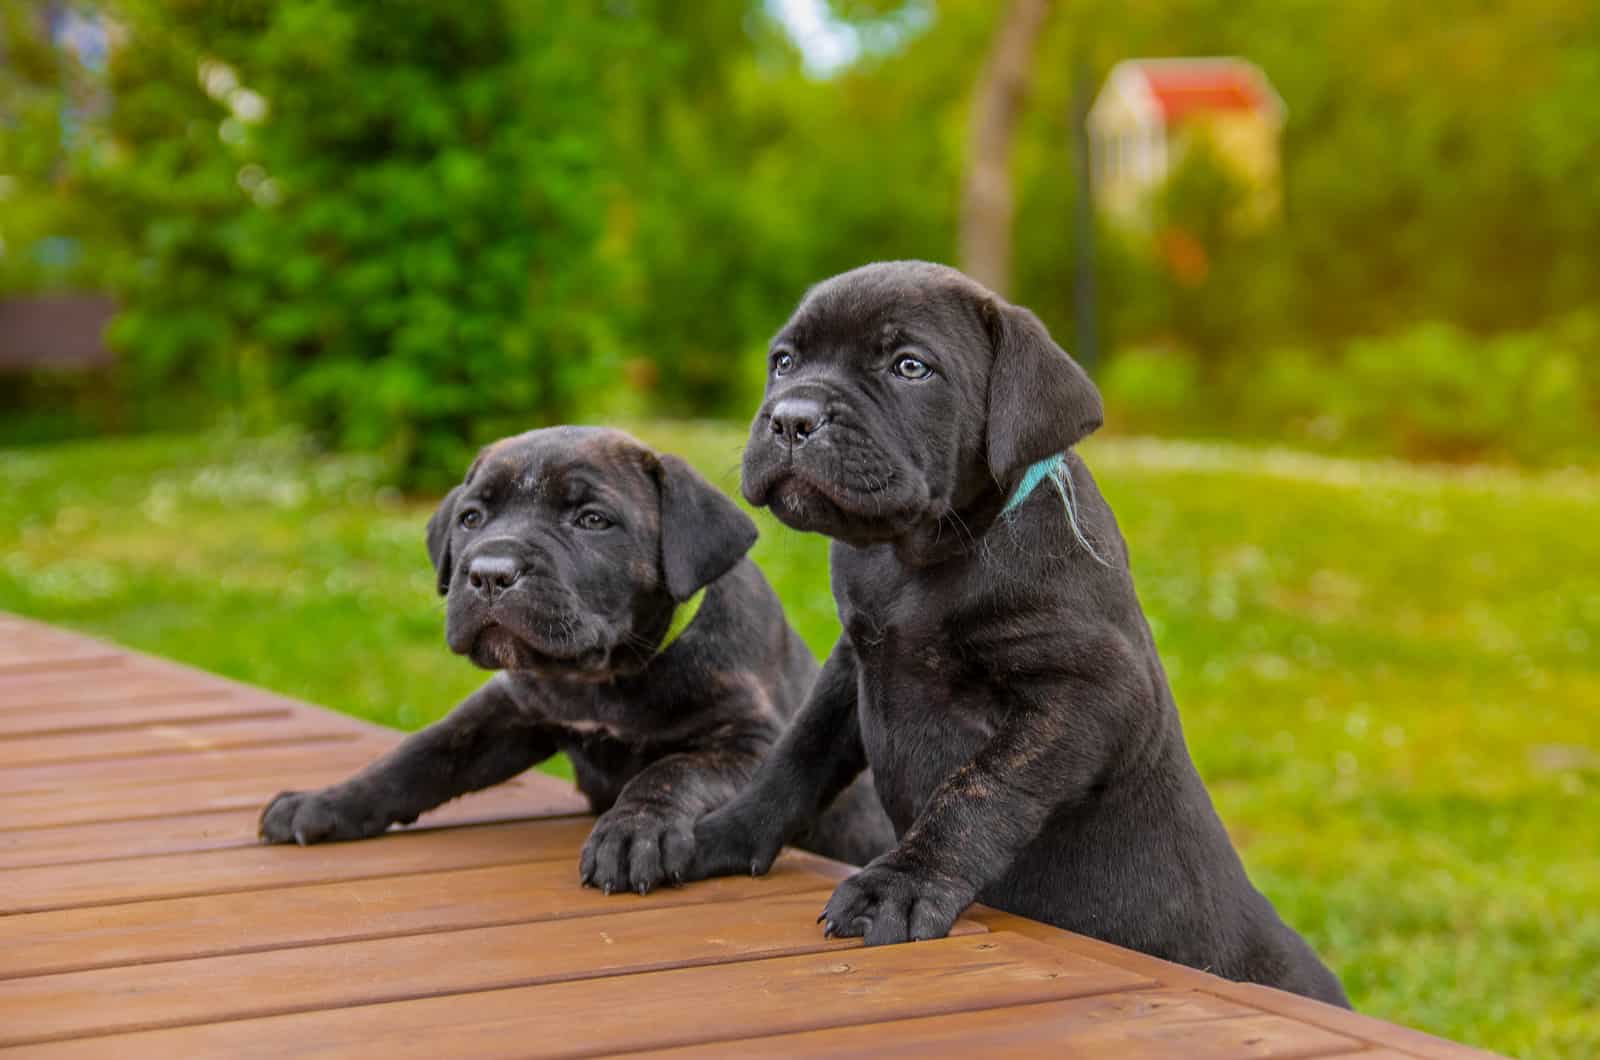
1389 676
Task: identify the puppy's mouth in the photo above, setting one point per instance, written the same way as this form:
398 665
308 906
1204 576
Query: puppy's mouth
498 647
807 498
551 641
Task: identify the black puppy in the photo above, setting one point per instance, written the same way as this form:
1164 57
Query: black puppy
571 558
996 670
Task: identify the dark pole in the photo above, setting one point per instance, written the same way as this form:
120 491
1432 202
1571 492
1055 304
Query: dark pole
1085 301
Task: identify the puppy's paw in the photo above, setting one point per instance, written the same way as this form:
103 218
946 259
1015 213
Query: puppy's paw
307 817
734 840
636 850
888 901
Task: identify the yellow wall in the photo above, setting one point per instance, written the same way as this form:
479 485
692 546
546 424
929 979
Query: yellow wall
1249 144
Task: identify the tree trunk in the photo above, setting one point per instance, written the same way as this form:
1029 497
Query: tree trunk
986 200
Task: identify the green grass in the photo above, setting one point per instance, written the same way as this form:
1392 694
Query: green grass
1390 677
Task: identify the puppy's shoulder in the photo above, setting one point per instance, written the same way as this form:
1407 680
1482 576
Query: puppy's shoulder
741 597
1064 529
739 623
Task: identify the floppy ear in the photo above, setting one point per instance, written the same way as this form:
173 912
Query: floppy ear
440 524
703 533
1041 402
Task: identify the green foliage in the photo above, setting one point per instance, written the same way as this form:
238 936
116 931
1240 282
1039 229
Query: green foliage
42 95
1439 393
1149 387
1432 392
449 218
1360 652
379 216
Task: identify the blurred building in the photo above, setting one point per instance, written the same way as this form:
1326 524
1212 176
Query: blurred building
1152 112
55 333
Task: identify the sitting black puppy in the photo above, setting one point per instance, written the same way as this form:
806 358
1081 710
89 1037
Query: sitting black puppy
996 670
609 584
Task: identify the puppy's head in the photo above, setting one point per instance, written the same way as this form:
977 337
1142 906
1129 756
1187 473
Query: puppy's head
566 549
901 393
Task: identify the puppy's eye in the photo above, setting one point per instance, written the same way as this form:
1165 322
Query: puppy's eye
908 367
782 362
593 520
470 519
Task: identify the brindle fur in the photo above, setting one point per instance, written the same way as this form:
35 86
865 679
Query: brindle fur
655 739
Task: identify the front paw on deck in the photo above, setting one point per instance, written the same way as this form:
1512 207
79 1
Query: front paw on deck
736 839
307 817
636 850
889 902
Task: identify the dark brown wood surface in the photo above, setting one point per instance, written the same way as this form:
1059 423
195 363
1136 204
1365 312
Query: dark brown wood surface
139 917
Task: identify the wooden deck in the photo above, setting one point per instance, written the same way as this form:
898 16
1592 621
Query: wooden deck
140 918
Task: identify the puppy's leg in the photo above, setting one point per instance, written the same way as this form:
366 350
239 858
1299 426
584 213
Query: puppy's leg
647 836
814 760
485 740
1052 746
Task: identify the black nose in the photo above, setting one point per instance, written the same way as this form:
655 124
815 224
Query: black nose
794 419
490 576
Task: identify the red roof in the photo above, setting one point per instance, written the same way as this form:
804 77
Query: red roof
1181 89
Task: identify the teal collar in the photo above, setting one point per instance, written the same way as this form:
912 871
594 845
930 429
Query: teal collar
1055 469
1048 468
682 615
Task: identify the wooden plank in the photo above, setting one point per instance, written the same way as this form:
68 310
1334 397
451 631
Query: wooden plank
250 921
228 828
90 692
681 1006
241 986
1277 1002
1356 1025
57 690
146 906
30 647
100 841
86 657
154 695
109 664
124 716
147 800
19 630
996 920
22 638
175 740
125 773
128 664
1138 1025
1176 975
27 890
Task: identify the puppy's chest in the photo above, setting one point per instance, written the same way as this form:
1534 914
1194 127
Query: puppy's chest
901 620
923 705
586 712
912 659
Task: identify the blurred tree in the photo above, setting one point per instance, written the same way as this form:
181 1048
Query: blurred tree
44 91
410 224
385 217
987 204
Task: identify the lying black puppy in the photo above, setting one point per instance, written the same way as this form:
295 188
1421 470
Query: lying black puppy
571 558
996 671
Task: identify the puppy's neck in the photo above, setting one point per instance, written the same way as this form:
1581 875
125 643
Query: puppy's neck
682 616
954 535
960 531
